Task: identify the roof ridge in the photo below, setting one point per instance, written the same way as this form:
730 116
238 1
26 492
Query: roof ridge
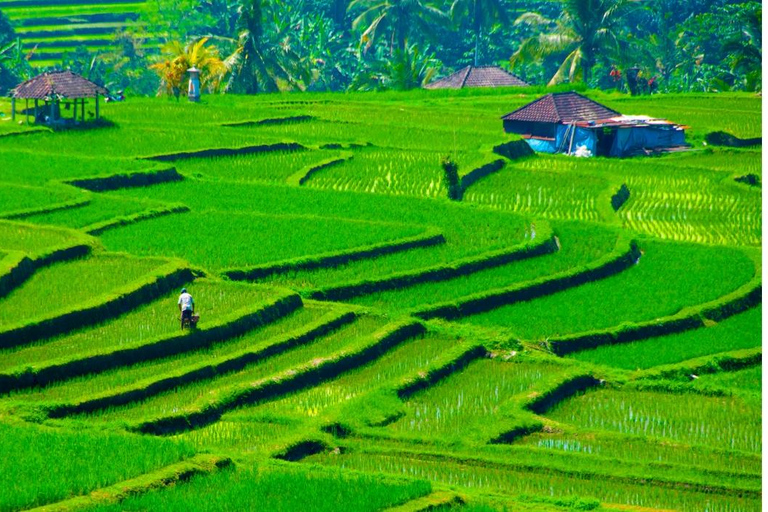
466 75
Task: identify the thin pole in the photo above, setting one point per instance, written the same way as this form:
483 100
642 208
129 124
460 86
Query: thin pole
13 108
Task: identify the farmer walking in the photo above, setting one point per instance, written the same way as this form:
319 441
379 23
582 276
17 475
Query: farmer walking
186 306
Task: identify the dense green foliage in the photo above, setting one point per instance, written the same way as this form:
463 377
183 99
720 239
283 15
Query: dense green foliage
361 45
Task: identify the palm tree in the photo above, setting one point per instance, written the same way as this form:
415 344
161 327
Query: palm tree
402 71
261 66
585 29
400 17
483 13
745 49
178 58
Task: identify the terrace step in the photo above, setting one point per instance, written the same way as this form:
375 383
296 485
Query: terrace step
545 244
437 500
207 370
209 408
176 473
165 278
623 257
99 360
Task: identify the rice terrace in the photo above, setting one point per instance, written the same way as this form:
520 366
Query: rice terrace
398 304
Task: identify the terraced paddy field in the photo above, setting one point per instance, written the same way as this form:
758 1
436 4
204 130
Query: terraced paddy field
364 343
53 29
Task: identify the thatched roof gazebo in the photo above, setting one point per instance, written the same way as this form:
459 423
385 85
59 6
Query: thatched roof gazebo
53 88
478 76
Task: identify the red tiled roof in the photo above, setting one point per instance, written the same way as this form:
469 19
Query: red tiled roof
64 84
562 107
481 76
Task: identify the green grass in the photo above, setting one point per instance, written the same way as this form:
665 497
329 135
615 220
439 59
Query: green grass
266 167
642 449
749 379
281 489
580 243
539 191
100 208
479 477
83 387
718 422
468 232
30 239
385 172
63 286
740 331
241 436
404 360
213 301
43 465
218 240
468 400
186 396
14 198
668 278
39 168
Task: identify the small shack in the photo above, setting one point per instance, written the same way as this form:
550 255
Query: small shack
55 90
576 125
480 76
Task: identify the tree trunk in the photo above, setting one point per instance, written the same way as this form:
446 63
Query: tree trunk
478 28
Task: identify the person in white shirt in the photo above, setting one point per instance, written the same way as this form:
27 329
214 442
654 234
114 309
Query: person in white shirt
186 306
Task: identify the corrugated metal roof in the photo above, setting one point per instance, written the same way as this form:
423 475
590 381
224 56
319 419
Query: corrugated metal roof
481 76
563 107
63 84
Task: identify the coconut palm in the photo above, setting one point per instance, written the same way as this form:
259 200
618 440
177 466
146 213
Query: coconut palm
260 65
483 13
178 58
399 17
584 30
402 71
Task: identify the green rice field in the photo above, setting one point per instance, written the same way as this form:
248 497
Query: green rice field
364 343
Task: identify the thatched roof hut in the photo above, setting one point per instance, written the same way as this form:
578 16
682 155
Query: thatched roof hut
53 88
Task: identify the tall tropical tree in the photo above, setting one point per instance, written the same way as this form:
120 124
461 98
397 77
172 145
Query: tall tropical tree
398 17
483 13
584 30
262 64
401 71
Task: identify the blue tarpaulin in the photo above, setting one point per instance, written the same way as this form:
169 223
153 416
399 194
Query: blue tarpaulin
629 140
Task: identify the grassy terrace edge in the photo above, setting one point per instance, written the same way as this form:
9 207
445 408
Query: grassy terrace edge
160 281
150 387
429 238
546 244
624 255
294 379
239 322
692 317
